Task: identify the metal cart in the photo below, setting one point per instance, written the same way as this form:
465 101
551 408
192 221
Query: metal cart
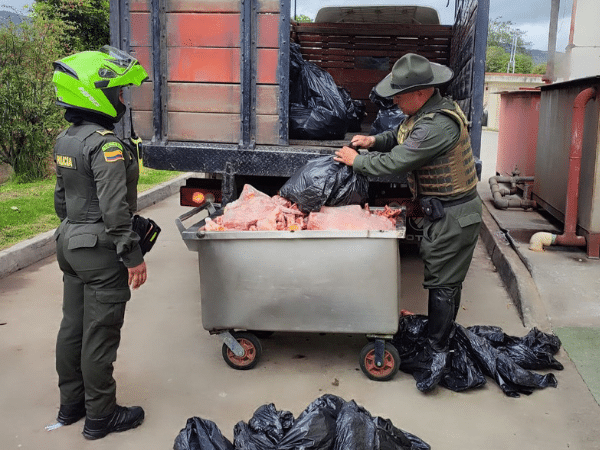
260 282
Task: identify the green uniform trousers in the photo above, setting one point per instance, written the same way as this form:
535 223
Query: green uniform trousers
95 294
448 244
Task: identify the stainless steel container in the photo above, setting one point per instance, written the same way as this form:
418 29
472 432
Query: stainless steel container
314 281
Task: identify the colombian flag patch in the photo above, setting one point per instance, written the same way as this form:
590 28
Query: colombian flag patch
113 151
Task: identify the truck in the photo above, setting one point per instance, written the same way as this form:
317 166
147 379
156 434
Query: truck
218 100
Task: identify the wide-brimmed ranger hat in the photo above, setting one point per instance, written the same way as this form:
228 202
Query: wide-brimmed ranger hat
412 73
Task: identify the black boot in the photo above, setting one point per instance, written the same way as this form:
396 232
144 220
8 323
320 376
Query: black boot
121 419
68 414
441 313
457 292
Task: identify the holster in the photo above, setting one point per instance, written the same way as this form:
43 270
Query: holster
148 231
433 208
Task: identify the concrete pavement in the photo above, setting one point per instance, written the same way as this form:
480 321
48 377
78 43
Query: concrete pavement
172 367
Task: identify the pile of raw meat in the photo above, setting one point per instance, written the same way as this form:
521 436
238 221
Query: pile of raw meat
257 211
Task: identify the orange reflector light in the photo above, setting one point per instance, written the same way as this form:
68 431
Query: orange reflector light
198 198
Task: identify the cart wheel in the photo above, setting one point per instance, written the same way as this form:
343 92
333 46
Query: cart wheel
253 351
391 362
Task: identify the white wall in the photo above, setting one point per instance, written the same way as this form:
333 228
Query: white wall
585 52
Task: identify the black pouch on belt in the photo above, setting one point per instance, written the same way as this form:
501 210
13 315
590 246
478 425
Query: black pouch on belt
148 231
433 208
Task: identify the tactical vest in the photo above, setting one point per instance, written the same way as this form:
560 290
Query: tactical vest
72 155
451 173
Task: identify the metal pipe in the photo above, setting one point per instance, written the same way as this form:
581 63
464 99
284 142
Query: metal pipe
498 192
569 236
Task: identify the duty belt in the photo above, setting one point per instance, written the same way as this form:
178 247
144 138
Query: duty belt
458 201
434 208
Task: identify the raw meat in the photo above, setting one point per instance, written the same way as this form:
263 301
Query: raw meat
256 211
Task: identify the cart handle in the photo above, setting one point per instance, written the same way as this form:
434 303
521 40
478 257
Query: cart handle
193 212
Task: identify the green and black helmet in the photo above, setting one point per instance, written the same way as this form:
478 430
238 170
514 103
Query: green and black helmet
92 80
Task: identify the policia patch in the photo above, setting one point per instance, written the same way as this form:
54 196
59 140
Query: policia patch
113 152
67 162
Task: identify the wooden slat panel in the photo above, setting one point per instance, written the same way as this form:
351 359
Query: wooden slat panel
267 99
208 98
216 65
203 97
268 30
198 127
140 29
203 127
223 6
203 30
139 5
142 124
217 5
142 54
142 97
267 129
267 66
350 29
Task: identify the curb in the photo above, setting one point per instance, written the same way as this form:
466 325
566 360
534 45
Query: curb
514 274
41 246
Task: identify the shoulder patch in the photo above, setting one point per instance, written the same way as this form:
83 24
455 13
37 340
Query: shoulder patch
104 132
67 162
418 135
113 151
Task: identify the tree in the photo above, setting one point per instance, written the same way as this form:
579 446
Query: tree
88 20
29 119
303 19
501 34
496 59
500 45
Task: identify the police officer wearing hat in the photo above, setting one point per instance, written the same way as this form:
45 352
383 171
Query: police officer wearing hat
432 146
97 250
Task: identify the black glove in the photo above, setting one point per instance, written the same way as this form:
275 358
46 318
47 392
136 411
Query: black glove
147 230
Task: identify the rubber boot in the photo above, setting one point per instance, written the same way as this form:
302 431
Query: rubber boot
121 419
69 414
458 291
441 313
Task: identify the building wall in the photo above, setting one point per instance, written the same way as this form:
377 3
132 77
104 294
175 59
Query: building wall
499 82
585 49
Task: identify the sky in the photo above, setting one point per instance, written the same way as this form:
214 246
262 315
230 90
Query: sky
530 16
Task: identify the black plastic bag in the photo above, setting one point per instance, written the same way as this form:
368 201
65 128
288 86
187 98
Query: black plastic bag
358 430
319 110
389 115
325 182
387 119
201 434
264 430
315 428
356 110
534 351
328 423
473 356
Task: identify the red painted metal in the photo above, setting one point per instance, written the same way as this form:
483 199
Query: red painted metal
569 236
517 138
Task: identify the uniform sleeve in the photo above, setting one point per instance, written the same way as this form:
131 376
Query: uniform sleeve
430 138
108 168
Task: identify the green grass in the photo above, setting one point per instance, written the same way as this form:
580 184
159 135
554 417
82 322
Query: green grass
27 209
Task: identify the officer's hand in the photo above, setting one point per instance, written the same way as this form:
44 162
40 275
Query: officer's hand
360 141
137 275
345 155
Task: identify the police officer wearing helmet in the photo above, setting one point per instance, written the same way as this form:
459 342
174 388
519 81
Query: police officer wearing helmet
97 250
432 146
